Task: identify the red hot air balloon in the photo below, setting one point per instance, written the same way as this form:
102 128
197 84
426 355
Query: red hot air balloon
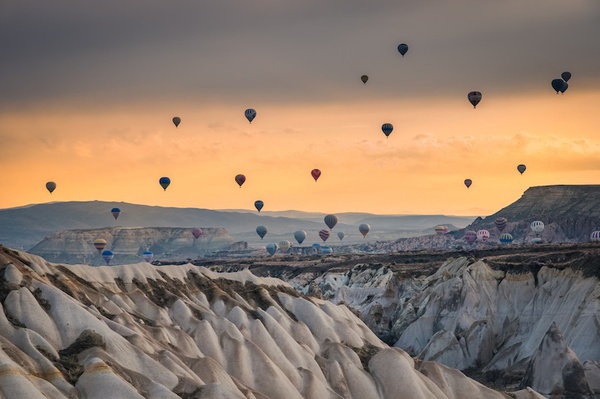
468 182
315 173
240 179
324 234
197 233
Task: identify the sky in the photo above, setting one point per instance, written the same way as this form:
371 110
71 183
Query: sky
88 91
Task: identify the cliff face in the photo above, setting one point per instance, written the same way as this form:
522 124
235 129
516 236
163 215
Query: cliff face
128 243
570 213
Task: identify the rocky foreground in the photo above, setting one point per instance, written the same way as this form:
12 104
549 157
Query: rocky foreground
509 317
140 331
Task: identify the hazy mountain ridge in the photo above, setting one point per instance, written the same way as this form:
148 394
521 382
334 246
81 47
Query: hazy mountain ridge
140 331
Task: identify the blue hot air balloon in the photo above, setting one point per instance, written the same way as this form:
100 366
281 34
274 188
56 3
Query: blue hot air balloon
521 168
300 236
250 114
271 249
115 212
565 76
559 85
261 231
387 128
403 49
147 256
506 238
107 255
474 98
258 204
164 182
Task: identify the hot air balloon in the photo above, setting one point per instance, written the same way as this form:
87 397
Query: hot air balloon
470 237
240 179
261 231
51 186
521 168
364 229
300 236
331 221
284 245
468 182
441 230
176 121
197 233
271 249
326 250
595 236
364 79
559 85
147 256
474 98
324 234
565 76
258 204
537 227
387 128
164 182
483 235
402 48
100 244
506 238
315 173
500 223
340 235
115 212
250 114
107 256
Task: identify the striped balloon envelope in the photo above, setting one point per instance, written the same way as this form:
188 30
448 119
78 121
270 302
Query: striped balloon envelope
506 238
500 223
324 234
595 236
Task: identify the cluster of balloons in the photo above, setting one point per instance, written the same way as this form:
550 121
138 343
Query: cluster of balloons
560 85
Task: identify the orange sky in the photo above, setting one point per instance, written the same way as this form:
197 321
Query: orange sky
118 154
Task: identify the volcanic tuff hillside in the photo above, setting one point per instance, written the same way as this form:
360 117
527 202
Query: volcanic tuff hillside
570 213
128 244
168 332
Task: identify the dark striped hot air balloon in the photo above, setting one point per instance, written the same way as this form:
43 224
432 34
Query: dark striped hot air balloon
324 234
331 221
500 223
100 244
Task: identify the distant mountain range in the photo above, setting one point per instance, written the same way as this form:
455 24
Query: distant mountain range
24 227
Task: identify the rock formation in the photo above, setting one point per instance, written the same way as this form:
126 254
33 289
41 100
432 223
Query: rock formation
139 331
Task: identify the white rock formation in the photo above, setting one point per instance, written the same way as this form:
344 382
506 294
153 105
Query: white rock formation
139 331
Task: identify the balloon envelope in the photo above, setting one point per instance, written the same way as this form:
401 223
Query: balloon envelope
403 48
364 79
300 236
147 256
261 231
250 114
326 250
164 182
500 223
387 129
315 173
240 179
197 233
468 182
284 245
271 248
340 235
558 84
470 237
115 212
331 221
107 255
521 168
566 76
474 97
441 230
537 226
100 244
483 235
364 229
258 204
50 186
595 236
506 238
324 234
176 121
